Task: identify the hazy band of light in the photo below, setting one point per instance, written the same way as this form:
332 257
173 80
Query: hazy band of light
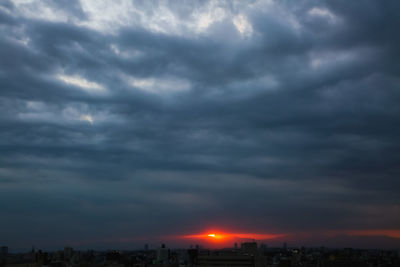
232 236
384 232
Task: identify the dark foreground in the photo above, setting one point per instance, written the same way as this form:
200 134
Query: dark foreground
249 254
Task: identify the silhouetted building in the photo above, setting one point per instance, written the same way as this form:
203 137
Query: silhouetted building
68 253
263 248
58 264
193 255
249 248
41 258
162 254
225 260
4 251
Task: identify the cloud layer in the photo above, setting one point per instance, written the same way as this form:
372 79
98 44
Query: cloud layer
139 119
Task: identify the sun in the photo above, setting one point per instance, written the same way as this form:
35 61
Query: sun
211 235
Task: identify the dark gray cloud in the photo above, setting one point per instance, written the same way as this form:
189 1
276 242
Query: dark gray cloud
149 120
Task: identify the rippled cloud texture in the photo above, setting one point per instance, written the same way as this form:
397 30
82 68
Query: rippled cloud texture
127 121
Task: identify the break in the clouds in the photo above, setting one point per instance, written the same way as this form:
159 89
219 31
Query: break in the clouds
128 121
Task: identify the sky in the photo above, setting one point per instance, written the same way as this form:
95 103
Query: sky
132 122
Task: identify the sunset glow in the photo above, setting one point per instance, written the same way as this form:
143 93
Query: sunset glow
389 233
392 233
229 237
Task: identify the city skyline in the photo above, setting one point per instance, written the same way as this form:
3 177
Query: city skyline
125 123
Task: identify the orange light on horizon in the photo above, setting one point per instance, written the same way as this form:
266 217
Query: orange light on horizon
393 233
217 239
221 236
376 232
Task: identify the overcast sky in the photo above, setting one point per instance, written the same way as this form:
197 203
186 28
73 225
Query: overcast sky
124 122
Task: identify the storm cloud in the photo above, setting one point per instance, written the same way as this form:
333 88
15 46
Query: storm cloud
136 120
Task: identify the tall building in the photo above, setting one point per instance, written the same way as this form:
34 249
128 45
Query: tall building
4 251
162 254
263 248
225 260
68 253
249 248
193 255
